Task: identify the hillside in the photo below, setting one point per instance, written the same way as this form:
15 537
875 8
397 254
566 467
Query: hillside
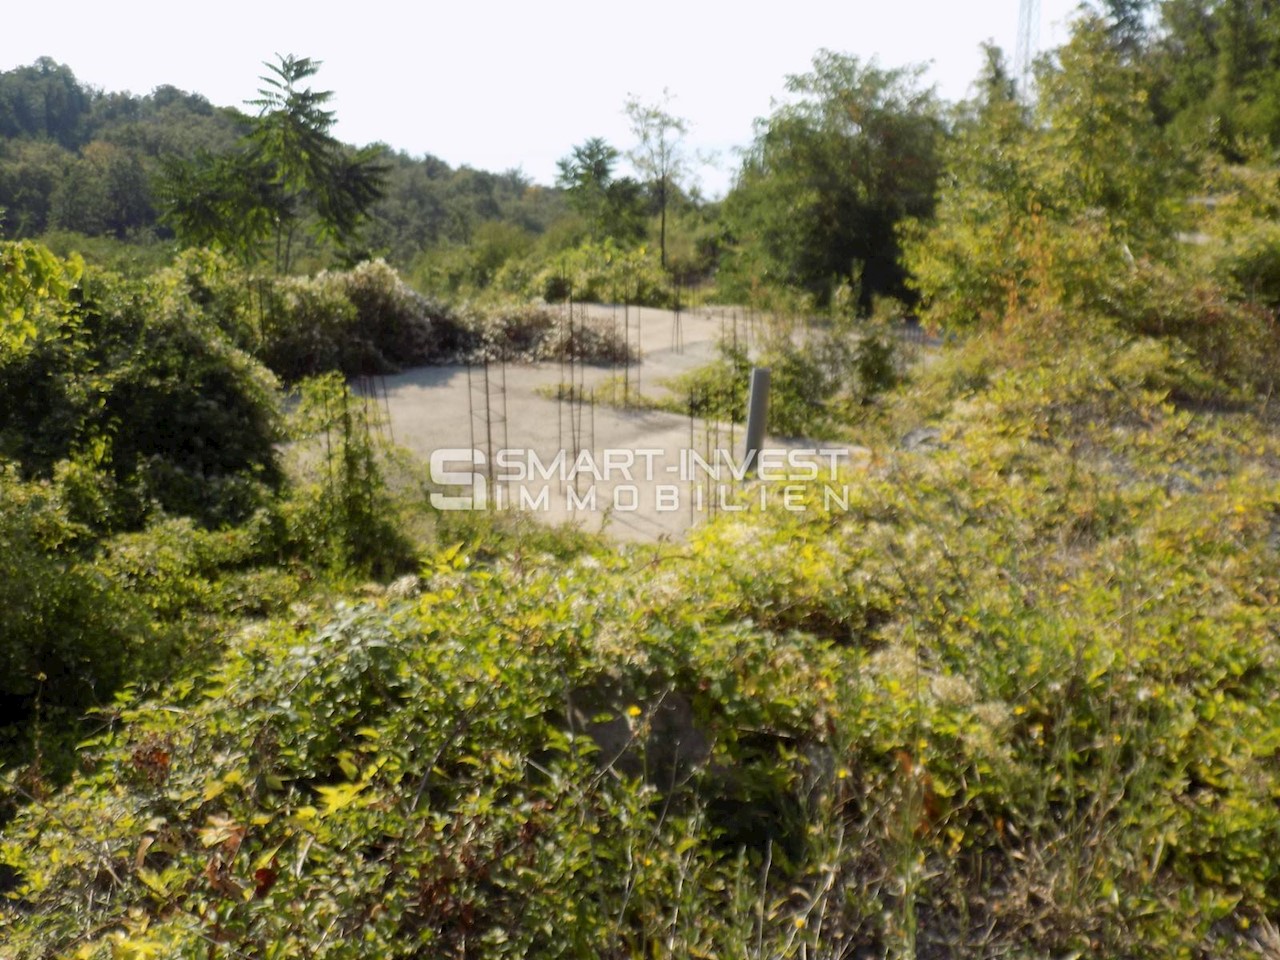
88 170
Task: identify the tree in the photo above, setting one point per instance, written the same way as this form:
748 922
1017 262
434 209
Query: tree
44 101
289 171
105 191
1216 80
831 174
30 171
609 205
225 201
312 170
658 155
968 261
1052 205
1128 22
1102 149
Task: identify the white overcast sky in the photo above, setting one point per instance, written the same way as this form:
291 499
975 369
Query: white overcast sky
500 85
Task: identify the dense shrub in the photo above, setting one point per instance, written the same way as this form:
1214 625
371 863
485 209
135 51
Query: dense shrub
134 377
69 636
544 333
818 377
356 322
1239 242
603 272
367 320
1236 341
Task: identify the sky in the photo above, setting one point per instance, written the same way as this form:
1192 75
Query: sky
503 85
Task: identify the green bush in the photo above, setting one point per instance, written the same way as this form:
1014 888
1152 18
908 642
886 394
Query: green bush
1236 342
69 636
1240 241
818 378
225 293
604 272
494 250
133 377
340 514
356 322
717 391
136 256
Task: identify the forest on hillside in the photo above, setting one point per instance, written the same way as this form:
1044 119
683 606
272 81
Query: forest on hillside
855 150
1016 698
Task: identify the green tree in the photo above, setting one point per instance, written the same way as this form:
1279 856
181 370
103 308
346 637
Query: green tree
609 205
225 201
969 261
830 175
288 173
106 190
313 172
1065 222
1216 74
658 155
30 171
1055 205
1101 147
44 101
1129 22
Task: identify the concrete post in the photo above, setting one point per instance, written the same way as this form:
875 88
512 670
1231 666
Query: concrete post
757 416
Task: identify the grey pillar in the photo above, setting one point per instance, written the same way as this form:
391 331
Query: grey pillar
757 415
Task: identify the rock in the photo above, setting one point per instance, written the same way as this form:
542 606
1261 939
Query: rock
404 588
659 740
923 440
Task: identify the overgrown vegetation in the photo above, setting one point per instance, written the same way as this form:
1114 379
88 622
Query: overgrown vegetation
1014 698
822 377
1004 689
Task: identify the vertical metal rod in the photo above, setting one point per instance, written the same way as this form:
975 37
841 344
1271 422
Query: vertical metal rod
564 346
677 331
639 341
506 437
488 425
733 391
707 426
560 392
386 404
689 456
575 401
471 408
582 373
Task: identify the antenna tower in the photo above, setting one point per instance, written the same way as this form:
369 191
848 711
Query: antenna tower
1028 40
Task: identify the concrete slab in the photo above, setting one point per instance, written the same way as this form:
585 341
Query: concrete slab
636 479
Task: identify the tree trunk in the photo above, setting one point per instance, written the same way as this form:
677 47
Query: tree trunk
662 222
